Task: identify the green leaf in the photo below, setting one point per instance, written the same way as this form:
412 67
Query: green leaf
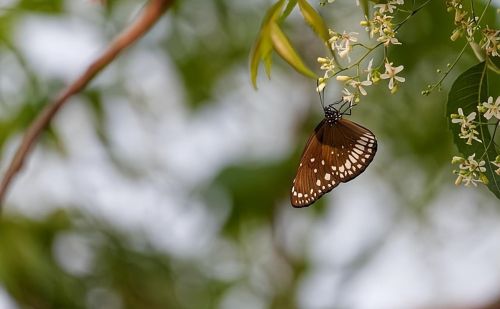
289 8
262 47
254 59
468 91
268 61
283 47
314 20
273 13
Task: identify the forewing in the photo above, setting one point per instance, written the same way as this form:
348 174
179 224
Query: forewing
314 176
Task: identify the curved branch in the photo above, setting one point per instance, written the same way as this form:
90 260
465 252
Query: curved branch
149 17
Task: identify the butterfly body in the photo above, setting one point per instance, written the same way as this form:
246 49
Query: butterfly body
337 151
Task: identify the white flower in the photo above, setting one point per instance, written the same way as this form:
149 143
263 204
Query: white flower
369 70
491 41
328 65
321 85
385 7
343 43
359 85
470 25
472 165
467 127
390 72
470 171
460 118
497 171
470 135
389 38
348 96
492 110
381 24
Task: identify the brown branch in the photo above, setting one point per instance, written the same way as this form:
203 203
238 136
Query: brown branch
150 15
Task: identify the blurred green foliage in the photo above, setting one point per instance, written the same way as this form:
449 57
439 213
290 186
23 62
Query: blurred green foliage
119 273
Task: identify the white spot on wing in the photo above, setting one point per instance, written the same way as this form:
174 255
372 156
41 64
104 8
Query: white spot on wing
360 147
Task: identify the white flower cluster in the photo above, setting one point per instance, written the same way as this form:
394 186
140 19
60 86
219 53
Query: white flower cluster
466 25
467 126
470 170
342 44
381 24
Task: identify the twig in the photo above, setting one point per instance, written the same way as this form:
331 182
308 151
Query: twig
150 15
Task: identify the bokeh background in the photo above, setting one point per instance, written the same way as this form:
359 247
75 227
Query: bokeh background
165 184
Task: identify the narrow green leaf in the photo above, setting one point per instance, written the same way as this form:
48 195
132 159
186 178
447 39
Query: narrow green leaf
283 47
255 56
261 50
468 91
314 20
273 13
289 8
268 61
262 45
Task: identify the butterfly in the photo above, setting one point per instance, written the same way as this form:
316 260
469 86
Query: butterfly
337 151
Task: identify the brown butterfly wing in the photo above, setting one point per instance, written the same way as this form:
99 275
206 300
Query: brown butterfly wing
333 154
358 148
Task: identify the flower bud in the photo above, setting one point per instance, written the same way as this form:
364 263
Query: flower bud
457 159
457 33
483 178
343 78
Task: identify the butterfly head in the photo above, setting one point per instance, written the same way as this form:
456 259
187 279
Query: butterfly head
332 115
